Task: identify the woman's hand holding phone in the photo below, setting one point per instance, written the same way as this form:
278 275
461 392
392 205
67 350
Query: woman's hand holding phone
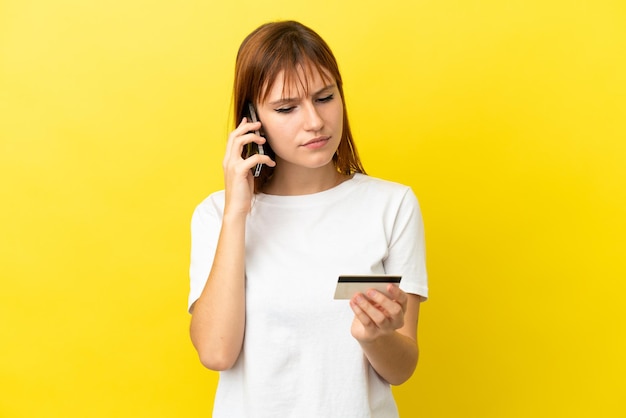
218 317
238 178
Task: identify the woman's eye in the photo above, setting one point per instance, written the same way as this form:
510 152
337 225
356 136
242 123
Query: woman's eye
284 109
326 98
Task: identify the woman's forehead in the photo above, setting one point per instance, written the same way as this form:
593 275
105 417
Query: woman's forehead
297 82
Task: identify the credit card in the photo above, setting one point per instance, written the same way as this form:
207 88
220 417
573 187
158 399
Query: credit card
349 285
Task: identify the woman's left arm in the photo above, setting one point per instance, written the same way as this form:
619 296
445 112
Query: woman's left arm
386 329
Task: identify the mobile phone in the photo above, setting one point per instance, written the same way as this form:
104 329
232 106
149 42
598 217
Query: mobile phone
253 148
349 285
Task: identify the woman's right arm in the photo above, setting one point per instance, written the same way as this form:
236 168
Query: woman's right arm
218 316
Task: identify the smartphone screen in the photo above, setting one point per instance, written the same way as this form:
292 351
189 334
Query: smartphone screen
253 148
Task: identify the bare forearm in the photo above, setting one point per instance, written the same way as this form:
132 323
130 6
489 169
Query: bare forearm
218 319
386 329
394 357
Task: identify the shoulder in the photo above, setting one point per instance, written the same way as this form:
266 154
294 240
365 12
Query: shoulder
215 198
211 207
380 187
391 197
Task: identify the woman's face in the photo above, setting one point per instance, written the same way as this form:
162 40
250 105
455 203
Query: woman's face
303 128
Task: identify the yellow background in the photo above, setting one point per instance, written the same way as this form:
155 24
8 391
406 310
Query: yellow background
506 117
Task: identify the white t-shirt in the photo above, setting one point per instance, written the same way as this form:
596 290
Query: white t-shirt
298 358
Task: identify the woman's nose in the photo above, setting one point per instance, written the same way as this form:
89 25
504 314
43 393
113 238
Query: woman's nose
312 119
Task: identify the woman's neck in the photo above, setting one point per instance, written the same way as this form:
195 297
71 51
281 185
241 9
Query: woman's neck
293 180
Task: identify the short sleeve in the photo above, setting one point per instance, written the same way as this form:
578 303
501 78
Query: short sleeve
206 223
407 255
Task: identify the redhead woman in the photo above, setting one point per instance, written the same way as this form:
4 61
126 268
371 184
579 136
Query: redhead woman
267 250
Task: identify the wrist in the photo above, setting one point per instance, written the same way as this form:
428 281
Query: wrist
376 341
234 216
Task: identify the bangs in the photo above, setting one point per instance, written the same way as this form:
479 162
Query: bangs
298 60
296 79
287 52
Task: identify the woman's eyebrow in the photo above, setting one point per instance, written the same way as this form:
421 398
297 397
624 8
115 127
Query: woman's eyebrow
294 99
323 89
283 101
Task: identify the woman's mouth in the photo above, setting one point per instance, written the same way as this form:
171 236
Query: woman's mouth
316 143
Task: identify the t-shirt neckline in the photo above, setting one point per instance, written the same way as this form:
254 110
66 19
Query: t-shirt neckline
323 196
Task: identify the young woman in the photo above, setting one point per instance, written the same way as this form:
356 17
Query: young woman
267 251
